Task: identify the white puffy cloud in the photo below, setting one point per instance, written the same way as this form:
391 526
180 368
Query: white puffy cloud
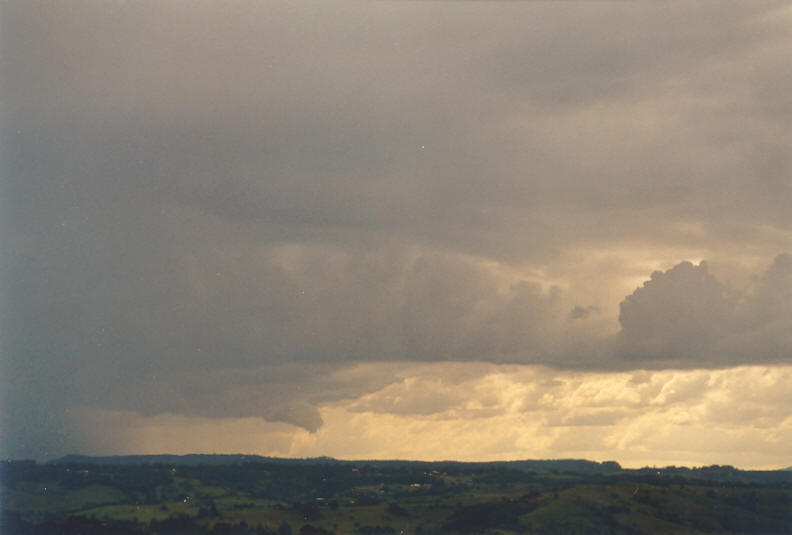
729 416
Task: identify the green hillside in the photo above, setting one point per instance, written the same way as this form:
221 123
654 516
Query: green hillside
269 496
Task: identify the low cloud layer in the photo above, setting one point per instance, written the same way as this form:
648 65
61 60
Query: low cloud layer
482 411
681 318
210 212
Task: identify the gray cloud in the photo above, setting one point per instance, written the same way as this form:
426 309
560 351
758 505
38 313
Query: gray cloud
581 313
678 314
686 317
205 209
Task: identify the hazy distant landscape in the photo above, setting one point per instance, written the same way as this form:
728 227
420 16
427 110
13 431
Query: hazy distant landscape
244 494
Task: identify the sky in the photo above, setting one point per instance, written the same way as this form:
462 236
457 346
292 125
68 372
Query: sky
469 230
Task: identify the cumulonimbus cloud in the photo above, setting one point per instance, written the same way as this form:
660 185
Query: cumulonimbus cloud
197 223
686 317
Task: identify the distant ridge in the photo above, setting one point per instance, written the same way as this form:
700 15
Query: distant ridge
192 459
566 466
580 466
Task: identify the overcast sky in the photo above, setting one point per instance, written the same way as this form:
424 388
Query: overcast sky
429 230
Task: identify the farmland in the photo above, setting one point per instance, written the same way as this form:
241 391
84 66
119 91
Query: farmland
247 495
